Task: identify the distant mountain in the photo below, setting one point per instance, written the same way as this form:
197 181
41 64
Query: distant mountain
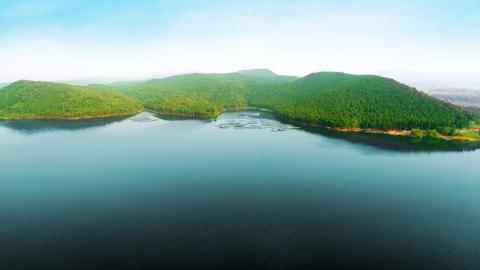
88 81
110 80
473 110
461 100
31 99
430 81
262 72
3 84
461 97
125 83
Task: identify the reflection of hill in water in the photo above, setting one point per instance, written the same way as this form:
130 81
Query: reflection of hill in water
379 141
397 143
180 118
34 126
262 121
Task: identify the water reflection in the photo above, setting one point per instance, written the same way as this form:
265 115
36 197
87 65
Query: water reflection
181 117
253 119
397 143
35 126
393 143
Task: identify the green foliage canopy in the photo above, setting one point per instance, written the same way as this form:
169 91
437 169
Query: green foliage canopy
29 99
325 98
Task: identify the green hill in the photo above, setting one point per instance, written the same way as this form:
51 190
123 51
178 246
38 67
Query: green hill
196 95
29 99
261 72
199 95
366 101
326 98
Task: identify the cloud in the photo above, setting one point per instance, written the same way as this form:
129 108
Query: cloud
291 38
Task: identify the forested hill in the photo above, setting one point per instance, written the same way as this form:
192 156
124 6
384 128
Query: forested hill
261 72
367 101
196 95
29 99
325 98
201 95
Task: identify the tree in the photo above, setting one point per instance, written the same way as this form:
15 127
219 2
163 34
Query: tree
418 133
447 131
433 134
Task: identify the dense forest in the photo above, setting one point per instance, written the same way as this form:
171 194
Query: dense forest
201 95
29 99
324 99
365 101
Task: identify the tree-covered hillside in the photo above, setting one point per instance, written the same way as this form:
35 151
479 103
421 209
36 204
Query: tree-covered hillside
29 99
326 98
344 100
199 95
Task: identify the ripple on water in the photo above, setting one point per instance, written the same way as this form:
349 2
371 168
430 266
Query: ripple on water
245 121
143 117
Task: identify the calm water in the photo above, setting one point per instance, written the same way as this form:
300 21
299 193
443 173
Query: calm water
238 193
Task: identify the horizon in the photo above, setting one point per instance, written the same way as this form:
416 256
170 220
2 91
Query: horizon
59 40
425 81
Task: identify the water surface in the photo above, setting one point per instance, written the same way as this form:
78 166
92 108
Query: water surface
242 192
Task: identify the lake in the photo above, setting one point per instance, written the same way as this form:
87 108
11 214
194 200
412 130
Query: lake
242 192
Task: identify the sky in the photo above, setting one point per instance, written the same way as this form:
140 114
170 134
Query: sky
72 39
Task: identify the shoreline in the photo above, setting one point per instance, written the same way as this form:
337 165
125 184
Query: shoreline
389 132
55 118
190 116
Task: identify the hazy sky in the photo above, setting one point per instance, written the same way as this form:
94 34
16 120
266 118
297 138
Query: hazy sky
66 39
